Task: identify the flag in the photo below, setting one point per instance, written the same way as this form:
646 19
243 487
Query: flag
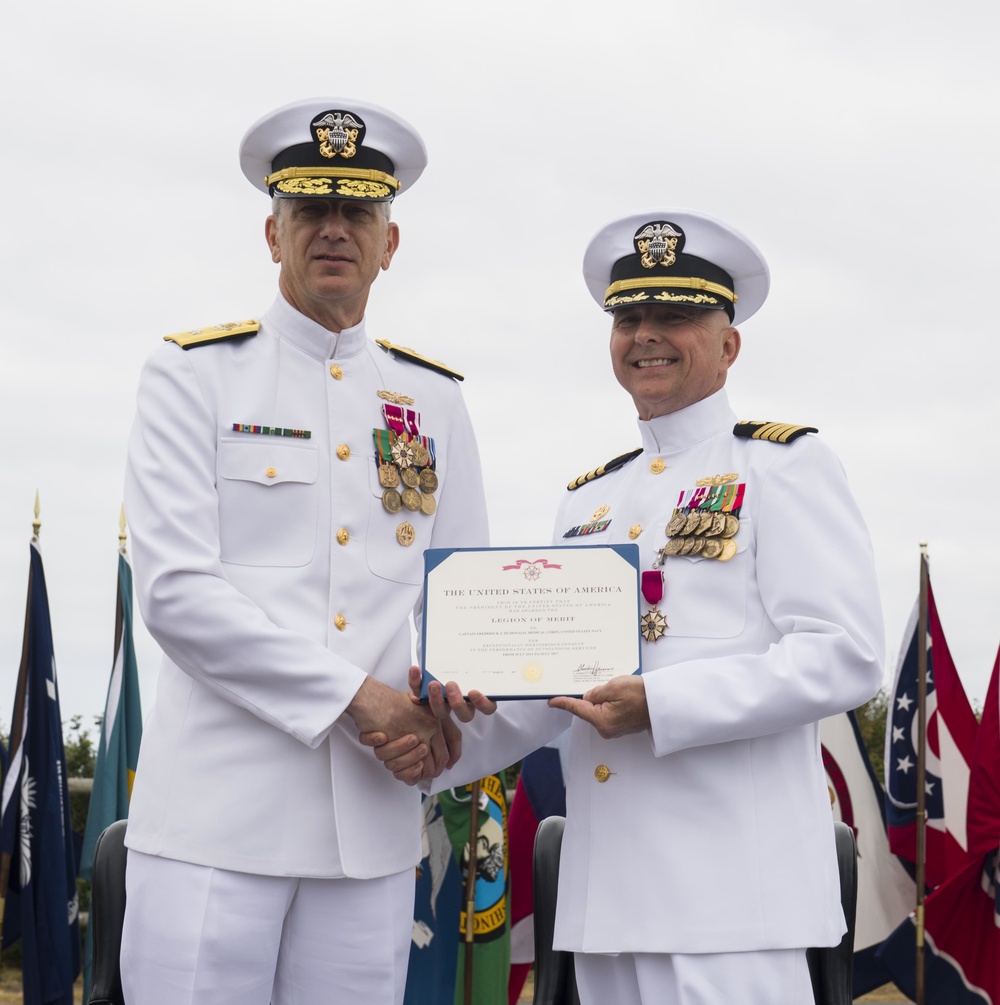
118 749
540 793
962 916
491 926
951 736
430 977
886 892
38 872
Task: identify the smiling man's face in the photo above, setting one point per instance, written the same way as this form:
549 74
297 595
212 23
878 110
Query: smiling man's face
330 251
670 357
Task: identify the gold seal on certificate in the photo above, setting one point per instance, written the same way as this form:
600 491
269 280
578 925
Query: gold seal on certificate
531 622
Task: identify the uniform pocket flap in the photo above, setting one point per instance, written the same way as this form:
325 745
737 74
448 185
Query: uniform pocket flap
267 463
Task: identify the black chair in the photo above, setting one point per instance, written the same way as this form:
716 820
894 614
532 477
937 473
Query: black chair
555 979
107 912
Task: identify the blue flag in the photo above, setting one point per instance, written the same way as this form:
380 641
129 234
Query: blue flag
118 749
38 870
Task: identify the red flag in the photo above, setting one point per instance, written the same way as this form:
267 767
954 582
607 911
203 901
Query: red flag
962 916
951 738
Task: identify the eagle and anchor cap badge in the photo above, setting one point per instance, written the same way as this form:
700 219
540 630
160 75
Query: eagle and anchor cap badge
676 256
333 148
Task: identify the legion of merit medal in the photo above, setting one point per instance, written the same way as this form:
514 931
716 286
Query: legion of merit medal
653 624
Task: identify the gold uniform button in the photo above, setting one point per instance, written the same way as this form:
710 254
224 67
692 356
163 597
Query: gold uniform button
343 536
343 451
634 531
341 622
656 465
271 472
602 772
336 372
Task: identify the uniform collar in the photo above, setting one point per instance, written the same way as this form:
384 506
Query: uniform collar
678 430
312 338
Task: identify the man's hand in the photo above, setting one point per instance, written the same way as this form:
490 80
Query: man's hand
403 755
422 745
613 709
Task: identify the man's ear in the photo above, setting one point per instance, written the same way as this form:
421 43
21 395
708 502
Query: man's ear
391 244
271 236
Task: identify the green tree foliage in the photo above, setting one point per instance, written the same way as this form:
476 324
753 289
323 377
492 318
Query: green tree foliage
871 721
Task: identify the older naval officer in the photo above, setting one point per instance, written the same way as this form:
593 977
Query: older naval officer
284 477
698 860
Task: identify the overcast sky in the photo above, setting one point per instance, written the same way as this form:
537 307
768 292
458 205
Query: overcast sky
856 143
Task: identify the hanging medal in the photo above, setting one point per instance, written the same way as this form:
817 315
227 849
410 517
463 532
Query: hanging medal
653 624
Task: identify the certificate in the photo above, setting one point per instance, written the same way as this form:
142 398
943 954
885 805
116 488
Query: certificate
530 622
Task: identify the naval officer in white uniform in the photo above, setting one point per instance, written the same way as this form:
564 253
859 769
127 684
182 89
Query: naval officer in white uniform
284 478
698 860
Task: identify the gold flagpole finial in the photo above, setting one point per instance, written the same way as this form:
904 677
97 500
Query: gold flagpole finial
36 524
121 531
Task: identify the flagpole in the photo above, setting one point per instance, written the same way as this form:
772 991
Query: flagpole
122 535
20 696
921 772
470 888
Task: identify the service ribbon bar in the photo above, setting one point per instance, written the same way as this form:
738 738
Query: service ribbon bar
249 427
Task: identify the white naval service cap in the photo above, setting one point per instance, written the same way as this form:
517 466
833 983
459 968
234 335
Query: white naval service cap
335 148
676 256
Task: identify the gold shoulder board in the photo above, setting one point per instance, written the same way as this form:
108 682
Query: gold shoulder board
616 462
415 357
775 432
216 333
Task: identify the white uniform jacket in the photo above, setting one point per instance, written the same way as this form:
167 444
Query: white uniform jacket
271 576
713 830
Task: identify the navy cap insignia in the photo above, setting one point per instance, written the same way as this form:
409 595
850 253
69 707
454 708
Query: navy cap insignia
338 133
659 243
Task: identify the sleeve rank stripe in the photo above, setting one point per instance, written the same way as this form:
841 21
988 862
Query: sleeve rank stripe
773 432
616 462
415 357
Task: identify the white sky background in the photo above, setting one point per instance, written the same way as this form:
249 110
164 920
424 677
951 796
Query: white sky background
855 142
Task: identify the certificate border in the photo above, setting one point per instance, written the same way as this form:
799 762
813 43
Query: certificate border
433 557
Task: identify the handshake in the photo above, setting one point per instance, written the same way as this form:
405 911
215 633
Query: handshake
415 741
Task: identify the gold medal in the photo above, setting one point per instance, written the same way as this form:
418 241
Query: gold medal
428 504
692 522
402 454
705 523
677 522
388 476
732 525
421 456
688 546
428 481
391 501
728 550
713 548
718 525
653 625
409 477
411 499
673 546
405 534
699 544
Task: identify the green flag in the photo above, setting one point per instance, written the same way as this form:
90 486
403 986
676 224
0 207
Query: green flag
491 925
118 750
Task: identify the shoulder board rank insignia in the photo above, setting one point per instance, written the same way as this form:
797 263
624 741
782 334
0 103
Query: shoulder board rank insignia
415 357
216 333
616 462
775 432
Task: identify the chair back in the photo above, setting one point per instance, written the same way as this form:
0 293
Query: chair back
555 979
107 912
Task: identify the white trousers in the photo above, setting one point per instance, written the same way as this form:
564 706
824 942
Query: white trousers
767 977
195 935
